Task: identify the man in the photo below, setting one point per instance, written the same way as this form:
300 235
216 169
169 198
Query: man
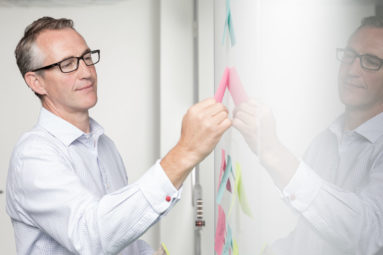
67 189
337 189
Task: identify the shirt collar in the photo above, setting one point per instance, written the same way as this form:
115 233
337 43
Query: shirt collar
63 130
372 129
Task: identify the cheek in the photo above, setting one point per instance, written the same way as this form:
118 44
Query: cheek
60 87
374 82
342 73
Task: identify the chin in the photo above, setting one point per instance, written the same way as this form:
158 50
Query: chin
90 102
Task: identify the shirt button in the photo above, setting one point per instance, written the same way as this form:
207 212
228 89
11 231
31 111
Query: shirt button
168 198
292 197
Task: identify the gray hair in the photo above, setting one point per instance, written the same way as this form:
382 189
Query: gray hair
28 55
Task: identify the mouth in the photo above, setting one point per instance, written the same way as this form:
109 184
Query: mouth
353 84
87 87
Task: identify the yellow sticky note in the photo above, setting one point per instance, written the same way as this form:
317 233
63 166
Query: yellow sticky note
165 249
235 247
241 191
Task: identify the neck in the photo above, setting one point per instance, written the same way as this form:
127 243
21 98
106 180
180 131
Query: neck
354 117
79 119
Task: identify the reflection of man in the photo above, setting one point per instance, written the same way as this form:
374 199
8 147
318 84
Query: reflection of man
67 189
337 189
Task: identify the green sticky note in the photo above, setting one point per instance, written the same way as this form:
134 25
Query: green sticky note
235 247
165 249
241 191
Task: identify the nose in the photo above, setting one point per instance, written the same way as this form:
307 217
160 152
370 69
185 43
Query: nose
84 70
355 67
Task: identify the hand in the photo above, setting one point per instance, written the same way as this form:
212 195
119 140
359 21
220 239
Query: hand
202 127
255 121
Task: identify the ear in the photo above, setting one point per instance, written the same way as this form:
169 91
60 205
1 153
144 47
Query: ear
35 82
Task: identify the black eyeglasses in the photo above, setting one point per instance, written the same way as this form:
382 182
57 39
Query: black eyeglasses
71 64
367 61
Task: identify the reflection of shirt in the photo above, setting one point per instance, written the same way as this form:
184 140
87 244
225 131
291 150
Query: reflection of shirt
338 191
67 193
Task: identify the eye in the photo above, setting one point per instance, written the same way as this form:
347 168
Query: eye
348 55
88 58
371 61
68 63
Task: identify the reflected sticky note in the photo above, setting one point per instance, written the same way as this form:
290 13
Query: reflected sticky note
228 185
225 178
220 231
228 242
235 247
241 191
233 197
222 170
222 85
235 87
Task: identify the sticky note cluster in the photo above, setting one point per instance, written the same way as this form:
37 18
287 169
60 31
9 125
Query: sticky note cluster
224 242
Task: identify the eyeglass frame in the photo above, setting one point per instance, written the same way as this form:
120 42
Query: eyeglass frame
78 62
360 56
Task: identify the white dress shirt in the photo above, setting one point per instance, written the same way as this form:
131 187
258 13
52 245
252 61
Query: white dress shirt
338 191
67 193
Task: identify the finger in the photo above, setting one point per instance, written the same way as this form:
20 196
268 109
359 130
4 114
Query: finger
245 107
204 103
224 125
241 126
248 119
215 109
219 117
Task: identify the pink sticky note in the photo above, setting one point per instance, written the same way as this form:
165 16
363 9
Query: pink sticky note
222 170
220 231
223 166
228 185
222 85
235 87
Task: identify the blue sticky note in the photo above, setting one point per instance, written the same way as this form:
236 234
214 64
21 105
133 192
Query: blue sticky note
228 25
228 242
225 177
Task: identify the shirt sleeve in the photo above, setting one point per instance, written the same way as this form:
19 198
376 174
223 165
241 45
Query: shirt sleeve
352 221
138 247
50 196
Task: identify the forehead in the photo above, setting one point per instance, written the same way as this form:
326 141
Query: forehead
59 44
367 40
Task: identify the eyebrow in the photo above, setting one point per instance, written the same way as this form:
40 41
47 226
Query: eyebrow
87 50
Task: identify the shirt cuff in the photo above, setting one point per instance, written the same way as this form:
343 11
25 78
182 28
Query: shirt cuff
303 188
158 189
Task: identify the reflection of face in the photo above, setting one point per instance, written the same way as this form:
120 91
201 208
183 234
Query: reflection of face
359 88
67 92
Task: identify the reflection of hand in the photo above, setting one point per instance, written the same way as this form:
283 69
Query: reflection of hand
202 127
255 121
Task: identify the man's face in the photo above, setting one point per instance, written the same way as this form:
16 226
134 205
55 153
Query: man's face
359 88
67 92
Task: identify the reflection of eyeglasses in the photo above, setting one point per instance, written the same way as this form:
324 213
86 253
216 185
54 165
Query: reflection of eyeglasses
71 64
367 61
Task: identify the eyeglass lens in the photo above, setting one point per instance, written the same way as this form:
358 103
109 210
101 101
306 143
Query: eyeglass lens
71 64
366 61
